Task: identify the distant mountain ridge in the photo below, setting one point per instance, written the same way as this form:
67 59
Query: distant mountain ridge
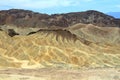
114 14
26 18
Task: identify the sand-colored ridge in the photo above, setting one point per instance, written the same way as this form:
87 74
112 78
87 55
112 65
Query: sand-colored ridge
59 49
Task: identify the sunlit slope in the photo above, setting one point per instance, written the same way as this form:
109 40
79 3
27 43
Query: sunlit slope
56 48
109 35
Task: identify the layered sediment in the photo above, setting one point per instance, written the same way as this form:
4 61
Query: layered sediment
74 47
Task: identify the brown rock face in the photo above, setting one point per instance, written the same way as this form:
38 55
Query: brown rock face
91 17
12 33
25 18
22 18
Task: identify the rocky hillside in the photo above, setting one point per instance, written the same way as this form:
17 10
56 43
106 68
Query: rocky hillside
35 40
26 18
78 46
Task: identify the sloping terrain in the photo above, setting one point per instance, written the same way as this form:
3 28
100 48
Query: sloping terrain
36 46
77 47
95 34
26 18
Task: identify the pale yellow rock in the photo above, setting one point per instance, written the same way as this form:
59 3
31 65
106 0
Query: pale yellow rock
74 48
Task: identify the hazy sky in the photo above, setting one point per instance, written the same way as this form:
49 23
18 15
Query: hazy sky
62 6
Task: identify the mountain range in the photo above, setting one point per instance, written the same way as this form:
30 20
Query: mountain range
26 18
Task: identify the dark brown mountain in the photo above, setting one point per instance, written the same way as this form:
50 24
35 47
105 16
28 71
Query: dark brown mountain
91 17
22 18
26 18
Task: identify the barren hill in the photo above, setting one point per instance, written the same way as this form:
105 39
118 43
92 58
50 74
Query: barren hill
71 46
78 46
26 18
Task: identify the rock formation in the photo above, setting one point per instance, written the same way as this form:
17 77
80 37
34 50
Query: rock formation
71 46
34 40
26 18
78 46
